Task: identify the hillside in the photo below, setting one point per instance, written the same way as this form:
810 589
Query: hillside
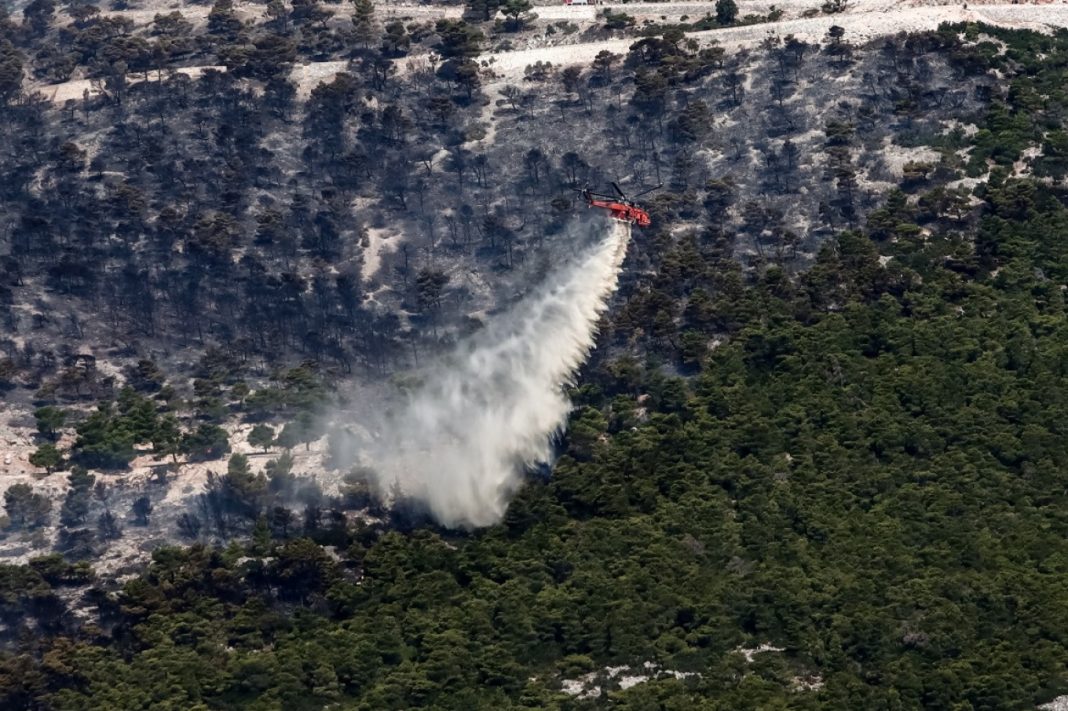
294 295
462 189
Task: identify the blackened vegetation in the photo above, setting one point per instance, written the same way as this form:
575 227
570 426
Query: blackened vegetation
167 215
863 467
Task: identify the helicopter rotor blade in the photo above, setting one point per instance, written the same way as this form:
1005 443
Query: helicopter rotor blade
643 192
616 188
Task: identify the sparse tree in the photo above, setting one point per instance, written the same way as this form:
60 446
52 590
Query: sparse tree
650 93
517 13
534 160
481 10
573 166
464 73
71 158
25 508
279 14
735 85
441 108
75 507
261 436
222 20
282 520
456 162
47 457
570 78
107 527
617 20
141 509
146 376
279 472
313 519
718 199
726 12
363 21
538 71
430 285
512 94
841 51
83 15
243 490
790 154
602 64
396 40
167 439
189 525
11 71
310 12
458 39
238 465
297 431
206 442
38 15
77 543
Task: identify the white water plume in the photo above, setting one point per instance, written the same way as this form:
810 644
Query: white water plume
460 441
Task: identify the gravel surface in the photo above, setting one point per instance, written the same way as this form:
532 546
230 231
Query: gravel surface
863 20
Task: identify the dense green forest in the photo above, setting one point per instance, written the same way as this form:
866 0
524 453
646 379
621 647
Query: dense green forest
867 474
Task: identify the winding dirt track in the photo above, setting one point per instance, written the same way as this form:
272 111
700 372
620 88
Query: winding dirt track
863 21
872 20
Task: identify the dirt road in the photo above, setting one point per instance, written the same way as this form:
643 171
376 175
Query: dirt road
863 21
862 24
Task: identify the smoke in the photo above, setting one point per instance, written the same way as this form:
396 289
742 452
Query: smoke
461 439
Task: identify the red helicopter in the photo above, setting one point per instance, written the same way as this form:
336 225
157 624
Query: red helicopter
621 207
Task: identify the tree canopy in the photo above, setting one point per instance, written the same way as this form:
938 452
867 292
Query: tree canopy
832 487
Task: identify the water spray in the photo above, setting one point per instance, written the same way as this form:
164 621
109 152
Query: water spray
460 440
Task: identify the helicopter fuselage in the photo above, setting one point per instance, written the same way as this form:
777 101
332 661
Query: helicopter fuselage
623 211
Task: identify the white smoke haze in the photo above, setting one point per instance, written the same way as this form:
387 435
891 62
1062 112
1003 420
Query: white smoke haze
460 441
